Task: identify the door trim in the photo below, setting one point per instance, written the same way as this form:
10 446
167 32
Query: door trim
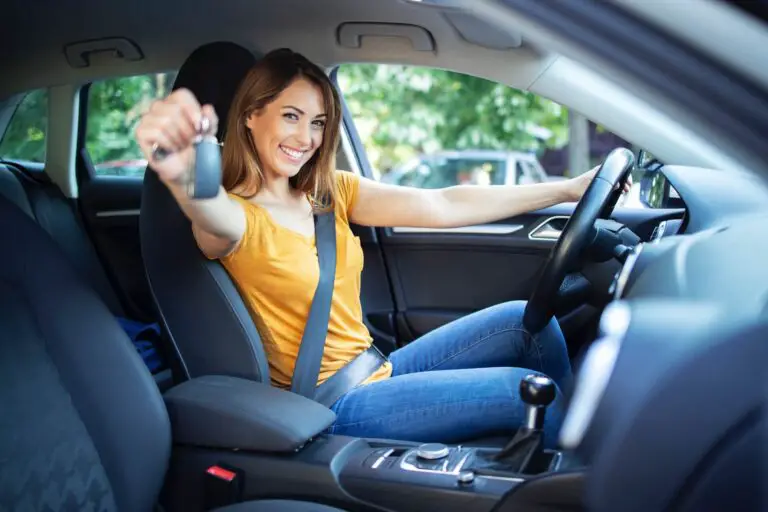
484 229
544 231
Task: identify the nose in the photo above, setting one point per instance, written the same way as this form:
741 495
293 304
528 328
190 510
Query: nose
304 134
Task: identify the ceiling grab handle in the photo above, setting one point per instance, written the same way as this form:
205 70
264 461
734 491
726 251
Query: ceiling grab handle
350 35
79 53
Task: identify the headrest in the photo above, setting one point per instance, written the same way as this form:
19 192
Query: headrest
213 73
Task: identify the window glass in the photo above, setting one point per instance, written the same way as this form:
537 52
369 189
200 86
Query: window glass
430 128
114 108
24 138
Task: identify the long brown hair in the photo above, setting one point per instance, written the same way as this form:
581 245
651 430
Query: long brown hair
242 169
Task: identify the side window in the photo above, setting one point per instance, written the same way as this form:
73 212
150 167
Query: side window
114 108
427 128
24 139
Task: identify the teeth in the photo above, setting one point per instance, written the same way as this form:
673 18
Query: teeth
292 153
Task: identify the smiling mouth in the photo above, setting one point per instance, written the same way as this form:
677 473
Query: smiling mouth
293 154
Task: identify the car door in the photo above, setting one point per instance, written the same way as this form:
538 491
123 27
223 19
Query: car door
416 280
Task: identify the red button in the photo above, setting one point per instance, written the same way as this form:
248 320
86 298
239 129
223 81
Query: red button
221 473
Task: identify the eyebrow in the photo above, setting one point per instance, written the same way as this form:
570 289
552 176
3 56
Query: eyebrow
297 109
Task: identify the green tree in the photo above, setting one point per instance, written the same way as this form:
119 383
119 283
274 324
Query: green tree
25 137
408 110
114 109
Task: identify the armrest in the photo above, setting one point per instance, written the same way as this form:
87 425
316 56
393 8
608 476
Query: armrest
228 412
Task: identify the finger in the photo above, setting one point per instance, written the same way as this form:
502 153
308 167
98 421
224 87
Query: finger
177 120
190 105
163 132
210 113
148 138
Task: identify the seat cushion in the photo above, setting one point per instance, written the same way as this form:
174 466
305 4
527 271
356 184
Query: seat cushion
277 506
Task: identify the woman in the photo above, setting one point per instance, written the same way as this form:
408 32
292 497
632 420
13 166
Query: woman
459 381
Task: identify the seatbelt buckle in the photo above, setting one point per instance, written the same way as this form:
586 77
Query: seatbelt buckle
223 485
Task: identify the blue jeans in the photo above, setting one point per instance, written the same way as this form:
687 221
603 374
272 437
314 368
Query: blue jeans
460 382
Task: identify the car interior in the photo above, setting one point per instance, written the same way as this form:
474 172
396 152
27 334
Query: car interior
662 306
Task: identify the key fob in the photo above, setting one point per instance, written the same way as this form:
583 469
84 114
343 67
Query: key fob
206 175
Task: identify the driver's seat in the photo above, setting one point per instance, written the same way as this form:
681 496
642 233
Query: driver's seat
198 303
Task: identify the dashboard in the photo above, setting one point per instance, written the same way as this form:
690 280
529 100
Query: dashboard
714 252
696 281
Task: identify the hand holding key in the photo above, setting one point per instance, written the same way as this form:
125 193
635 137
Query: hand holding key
176 137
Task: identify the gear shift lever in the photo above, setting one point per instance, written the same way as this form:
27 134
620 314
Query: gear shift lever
537 391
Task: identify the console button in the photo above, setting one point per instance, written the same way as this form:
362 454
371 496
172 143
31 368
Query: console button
466 477
432 451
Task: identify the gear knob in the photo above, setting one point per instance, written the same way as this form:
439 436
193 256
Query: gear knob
537 390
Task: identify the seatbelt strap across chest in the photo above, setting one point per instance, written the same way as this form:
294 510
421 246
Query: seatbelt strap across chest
310 356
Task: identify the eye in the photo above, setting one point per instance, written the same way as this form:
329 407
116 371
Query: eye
292 116
320 123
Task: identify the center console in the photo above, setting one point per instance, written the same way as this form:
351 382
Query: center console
435 476
364 474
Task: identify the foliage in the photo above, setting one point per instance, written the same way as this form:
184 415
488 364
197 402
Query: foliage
400 111
405 110
114 109
26 140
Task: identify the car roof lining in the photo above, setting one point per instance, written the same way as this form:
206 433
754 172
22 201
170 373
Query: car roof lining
260 25
175 29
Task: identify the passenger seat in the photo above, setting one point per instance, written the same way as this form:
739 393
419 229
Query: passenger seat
47 205
44 202
84 427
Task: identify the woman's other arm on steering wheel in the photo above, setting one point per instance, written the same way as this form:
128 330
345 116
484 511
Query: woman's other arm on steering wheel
218 223
384 205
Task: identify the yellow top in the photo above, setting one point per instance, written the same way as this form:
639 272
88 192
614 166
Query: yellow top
276 270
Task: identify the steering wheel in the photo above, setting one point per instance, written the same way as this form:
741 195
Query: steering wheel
598 201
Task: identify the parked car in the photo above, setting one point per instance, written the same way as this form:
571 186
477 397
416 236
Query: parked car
478 167
122 167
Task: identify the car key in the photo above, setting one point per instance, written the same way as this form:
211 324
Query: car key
206 174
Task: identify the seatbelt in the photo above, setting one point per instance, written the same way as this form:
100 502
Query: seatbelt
308 362
307 368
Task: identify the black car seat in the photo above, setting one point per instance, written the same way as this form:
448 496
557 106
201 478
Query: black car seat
198 303
41 199
83 425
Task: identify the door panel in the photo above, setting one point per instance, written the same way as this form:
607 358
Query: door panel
110 207
438 276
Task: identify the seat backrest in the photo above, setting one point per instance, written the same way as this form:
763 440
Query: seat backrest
45 203
83 425
200 306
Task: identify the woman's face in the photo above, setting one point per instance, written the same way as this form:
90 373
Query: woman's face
288 131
